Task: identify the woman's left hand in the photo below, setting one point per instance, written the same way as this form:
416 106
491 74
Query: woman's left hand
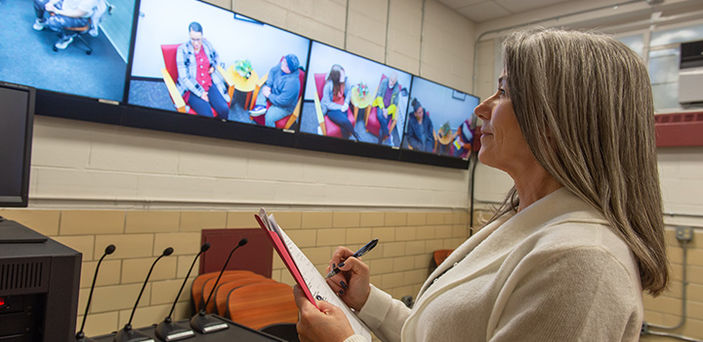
326 324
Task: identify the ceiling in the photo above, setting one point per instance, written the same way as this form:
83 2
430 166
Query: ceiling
479 11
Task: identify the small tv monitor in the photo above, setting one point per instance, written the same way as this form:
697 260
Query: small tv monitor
197 59
17 113
85 56
440 120
351 97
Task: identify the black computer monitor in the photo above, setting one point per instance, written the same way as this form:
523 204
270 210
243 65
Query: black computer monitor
16 113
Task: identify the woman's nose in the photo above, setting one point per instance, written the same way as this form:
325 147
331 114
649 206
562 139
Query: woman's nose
483 110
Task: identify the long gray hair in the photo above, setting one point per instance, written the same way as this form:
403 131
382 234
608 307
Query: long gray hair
584 104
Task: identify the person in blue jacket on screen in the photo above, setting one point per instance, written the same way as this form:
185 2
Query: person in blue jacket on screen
196 60
335 100
420 134
282 89
58 15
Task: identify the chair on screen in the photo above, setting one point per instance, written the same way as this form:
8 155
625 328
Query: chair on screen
371 120
328 127
263 304
444 144
170 76
287 121
91 27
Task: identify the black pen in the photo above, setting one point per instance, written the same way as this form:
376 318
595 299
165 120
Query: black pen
363 250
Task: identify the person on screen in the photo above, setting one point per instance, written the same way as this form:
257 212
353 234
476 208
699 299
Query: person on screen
575 242
420 134
58 15
335 101
387 103
204 88
282 89
463 139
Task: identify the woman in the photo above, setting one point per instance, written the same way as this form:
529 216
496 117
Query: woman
420 132
579 236
204 88
463 137
335 101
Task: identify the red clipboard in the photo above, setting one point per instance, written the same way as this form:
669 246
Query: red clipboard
283 252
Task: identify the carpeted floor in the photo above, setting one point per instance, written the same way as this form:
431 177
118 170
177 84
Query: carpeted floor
26 57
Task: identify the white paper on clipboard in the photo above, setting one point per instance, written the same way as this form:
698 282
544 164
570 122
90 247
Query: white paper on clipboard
314 280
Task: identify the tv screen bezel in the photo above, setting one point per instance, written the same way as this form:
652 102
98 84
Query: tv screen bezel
22 199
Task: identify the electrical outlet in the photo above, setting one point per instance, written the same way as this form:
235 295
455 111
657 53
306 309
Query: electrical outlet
684 234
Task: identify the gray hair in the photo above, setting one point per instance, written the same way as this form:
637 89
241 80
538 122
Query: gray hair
584 104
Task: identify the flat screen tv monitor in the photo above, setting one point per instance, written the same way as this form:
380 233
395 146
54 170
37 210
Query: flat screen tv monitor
351 97
197 59
17 112
440 120
85 56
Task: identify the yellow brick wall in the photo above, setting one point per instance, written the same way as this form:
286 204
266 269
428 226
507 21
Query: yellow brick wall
665 310
398 265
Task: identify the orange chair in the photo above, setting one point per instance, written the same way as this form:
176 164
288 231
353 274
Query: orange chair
196 290
222 292
371 121
328 127
207 287
438 257
170 75
262 304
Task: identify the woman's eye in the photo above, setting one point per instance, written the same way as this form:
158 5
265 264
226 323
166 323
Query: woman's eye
501 91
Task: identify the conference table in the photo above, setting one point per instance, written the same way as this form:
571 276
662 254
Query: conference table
235 332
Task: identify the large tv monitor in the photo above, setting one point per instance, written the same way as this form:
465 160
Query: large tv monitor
201 60
351 97
17 113
44 48
440 120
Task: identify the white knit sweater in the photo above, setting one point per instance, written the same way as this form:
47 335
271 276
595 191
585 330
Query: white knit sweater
553 272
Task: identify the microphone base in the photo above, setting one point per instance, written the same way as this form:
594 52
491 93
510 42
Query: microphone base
169 331
206 324
131 335
84 339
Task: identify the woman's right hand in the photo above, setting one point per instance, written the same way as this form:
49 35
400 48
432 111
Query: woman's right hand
352 283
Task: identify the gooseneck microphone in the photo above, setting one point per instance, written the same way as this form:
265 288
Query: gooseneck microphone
127 334
80 336
204 323
169 331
